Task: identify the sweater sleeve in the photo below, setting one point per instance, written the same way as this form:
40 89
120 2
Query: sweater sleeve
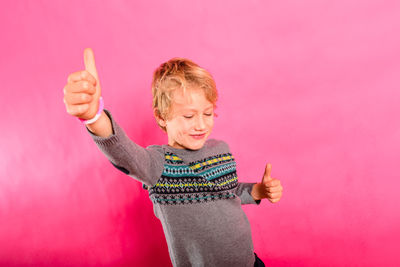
243 190
142 164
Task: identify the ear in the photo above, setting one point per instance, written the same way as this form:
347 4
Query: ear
160 120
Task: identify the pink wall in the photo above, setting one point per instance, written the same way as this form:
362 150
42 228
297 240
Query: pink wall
310 86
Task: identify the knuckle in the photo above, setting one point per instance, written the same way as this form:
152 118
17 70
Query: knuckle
85 97
72 77
92 90
69 110
85 108
80 109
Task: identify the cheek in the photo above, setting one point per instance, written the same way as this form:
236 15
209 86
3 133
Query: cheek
187 126
181 127
210 122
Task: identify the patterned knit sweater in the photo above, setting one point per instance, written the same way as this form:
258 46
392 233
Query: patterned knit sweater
196 196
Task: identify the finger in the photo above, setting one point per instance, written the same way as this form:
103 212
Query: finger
273 183
267 173
274 189
90 64
81 75
77 98
274 200
80 87
77 110
274 195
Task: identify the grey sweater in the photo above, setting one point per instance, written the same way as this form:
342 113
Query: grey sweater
196 196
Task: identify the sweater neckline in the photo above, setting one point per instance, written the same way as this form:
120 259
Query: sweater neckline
184 151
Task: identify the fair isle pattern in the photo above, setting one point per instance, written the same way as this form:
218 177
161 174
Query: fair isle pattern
211 161
172 159
210 179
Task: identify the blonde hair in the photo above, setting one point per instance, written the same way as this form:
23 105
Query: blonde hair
179 73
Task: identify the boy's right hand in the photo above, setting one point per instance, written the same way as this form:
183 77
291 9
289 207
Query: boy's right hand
82 91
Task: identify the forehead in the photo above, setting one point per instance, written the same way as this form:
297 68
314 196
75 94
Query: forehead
193 98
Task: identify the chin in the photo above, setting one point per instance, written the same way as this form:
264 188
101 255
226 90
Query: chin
196 146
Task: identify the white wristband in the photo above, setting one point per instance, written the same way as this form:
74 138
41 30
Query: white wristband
98 114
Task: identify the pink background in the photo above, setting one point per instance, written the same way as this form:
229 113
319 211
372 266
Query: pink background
310 86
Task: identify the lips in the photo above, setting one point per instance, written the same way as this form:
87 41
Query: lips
198 136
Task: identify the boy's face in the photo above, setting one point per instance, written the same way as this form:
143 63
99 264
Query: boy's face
190 120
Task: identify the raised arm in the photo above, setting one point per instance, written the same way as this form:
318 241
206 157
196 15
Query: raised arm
82 93
143 164
81 97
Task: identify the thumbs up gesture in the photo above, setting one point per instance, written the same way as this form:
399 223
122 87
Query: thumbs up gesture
269 188
82 91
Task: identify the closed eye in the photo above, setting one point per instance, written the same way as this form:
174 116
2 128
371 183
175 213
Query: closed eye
188 116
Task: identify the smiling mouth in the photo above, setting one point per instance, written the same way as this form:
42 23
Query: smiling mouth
198 136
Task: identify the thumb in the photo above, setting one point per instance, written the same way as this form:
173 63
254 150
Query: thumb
267 173
90 65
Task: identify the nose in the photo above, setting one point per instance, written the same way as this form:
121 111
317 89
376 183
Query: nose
200 124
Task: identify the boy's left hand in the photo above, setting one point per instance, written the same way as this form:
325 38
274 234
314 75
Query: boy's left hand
269 188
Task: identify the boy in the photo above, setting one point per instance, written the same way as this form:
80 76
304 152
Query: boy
192 181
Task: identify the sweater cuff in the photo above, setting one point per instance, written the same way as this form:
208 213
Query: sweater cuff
246 196
110 140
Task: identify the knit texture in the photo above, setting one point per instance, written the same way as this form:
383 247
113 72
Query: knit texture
195 194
